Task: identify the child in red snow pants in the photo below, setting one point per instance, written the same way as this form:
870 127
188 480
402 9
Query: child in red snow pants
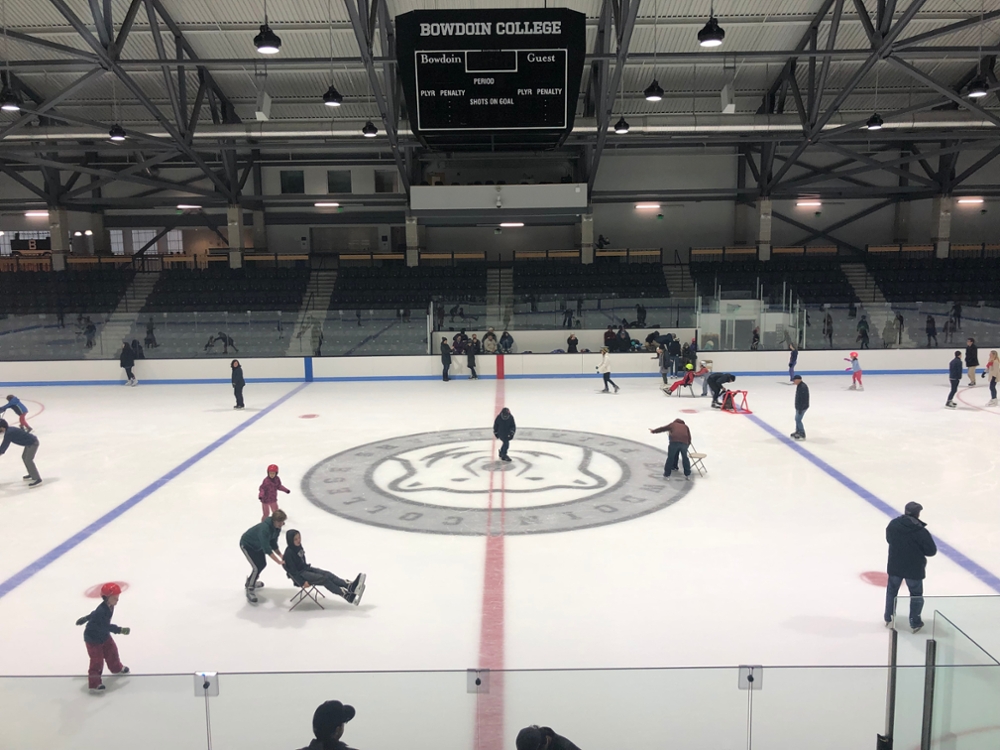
856 378
100 653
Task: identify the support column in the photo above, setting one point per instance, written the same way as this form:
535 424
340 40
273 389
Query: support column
941 225
764 228
259 230
59 235
412 241
100 240
586 238
234 216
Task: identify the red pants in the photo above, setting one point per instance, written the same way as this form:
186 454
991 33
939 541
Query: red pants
856 378
268 509
24 422
100 653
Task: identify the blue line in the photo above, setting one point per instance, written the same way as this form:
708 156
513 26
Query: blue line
54 554
308 364
950 552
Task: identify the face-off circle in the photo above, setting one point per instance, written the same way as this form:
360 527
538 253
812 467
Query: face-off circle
452 482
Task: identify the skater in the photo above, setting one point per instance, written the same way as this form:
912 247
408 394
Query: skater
971 359
828 329
793 358
127 360
931 330
150 340
687 380
101 647
541 738
238 382
328 726
664 366
640 316
268 492
862 329
301 572
888 333
15 405
445 358
567 316
470 358
955 377
680 441
258 541
210 344
992 375
949 330
755 339
605 369
801 406
30 442
898 327
717 382
910 544
503 430
90 331
956 315
856 373
227 342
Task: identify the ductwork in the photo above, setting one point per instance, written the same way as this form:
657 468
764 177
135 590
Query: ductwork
639 124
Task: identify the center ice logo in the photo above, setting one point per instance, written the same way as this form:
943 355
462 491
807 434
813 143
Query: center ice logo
451 482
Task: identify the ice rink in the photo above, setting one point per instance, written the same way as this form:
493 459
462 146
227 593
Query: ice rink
768 559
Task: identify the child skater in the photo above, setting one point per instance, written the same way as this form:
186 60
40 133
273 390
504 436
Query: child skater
302 572
101 646
856 372
15 405
268 494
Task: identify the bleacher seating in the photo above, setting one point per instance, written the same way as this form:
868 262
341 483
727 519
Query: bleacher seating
93 291
228 289
621 279
812 280
400 286
928 279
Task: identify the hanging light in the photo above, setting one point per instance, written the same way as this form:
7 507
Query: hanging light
9 100
874 122
369 130
978 88
332 97
117 133
621 127
267 42
711 34
653 92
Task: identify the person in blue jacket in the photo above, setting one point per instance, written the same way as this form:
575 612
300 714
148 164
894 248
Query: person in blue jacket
955 376
101 646
18 436
15 405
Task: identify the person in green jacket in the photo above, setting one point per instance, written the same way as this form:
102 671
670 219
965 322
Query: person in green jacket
258 543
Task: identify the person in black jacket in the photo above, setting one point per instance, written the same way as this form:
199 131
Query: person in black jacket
470 358
541 738
955 376
302 572
257 544
238 382
127 360
503 430
910 544
445 358
18 436
716 382
971 359
801 405
328 726
101 646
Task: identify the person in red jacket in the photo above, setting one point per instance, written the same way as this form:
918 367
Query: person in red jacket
268 494
689 375
680 440
101 646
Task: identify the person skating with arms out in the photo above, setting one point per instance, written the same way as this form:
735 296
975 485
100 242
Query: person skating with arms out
856 373
101 647
954 377
257 544
268 492
301 572
15 405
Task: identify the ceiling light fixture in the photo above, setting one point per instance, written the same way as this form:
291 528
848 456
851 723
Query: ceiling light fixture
711 34
621 127
978 88
332 97
506 224
78 234
188 207
874 122
326 204
267 42
647 205
117 133
88 233
811 203
36 214
653 92
971 201
369 130
9 100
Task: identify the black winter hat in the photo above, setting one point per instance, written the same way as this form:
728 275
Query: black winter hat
329 716
913 509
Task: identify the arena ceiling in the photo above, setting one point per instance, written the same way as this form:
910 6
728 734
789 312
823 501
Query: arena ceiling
183 77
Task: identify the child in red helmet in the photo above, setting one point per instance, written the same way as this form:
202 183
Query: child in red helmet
856 373
101 646
268 494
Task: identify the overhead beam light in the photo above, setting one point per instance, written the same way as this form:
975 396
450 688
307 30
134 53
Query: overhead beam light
874 122
506 224
36 214
326 204
10 101
647 205
971 201
711 34
188 207
88 233
117 133
654 92
267 42
978 88
809 203
332 97
78 234
369 130
621 127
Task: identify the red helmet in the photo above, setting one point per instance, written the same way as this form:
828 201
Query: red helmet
854 354
111 589
273 467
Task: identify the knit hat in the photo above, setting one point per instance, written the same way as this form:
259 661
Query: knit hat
913 509
530 738
329 716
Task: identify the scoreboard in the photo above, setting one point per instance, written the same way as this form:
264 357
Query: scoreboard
490 71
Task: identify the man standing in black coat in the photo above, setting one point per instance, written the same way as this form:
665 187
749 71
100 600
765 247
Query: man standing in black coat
503 430
971 359
801 405
955 377
127 360
445 358
238 382
910 544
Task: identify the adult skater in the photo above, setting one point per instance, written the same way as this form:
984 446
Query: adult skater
503 430
258 541
30 443
328 726
541 738
15 405
127 361
301 572
971 359
238 382
801 406
680 441
716 383
101 647
828 329
755 339
956 315
910 544
445 358
954 377
605 369
227 342
470 358
993 375
931 330
793 359
663 363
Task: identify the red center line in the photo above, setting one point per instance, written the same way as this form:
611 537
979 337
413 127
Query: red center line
489 706
985 392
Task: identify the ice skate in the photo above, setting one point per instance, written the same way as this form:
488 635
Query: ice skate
251 596
358 582
666 391
26 477
28 430
617 389
259 585
133 382
125 670
35 483
853 387
861 387
991 402
98 689
888 624
916 628
358 594
951 405
506 458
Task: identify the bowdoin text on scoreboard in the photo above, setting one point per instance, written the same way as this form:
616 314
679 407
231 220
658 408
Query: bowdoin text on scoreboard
490 89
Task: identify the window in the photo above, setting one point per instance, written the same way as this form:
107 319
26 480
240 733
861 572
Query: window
5 243
338 181
5 239
293 182
117 242
142 236
385 181
175 241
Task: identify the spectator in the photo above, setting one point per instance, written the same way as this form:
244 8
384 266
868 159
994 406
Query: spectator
852 310
602 242
316 339
571 344
150 340
445 358
542 738
90 332
453 312
652 341
755 339
910 544
956 315
888 332
931 329
949 330
954 377
609 337
328 726
898 327
357 314
567 321
862 329
640 316
674 350
490 342
971 359
828 329
680 440
623 339
801 406
506 343
137 349
475 344
126 359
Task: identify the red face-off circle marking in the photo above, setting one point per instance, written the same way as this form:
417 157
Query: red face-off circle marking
689 411
308 416
875 578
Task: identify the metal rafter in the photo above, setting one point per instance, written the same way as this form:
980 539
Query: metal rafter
816 232
977 166
29 114
838 12
598 68
906 45
919 75
135 169
873 165
874 37
161 51
844 222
